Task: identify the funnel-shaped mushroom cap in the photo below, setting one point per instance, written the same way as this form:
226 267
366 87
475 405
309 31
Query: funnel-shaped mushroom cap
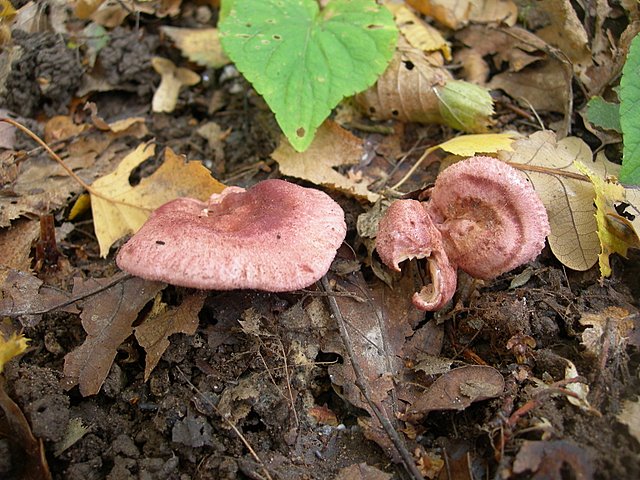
492 218
406 231
276 236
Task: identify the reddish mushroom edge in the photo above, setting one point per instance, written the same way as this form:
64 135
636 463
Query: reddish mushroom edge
276 236
483 217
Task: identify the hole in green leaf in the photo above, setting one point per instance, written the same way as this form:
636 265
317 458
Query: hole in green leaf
374 27
277 37
300 132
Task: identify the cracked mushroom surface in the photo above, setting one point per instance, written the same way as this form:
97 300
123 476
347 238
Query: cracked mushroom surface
276 236
483 217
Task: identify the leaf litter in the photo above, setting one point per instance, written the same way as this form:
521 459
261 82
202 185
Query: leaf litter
274 370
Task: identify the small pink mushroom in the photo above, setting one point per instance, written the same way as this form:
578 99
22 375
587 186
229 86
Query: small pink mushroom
275 236
483 217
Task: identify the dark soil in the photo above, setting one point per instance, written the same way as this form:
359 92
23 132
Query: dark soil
171 426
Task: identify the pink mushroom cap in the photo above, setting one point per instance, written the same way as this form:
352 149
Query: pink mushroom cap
275 236
406 232
483 217
492 220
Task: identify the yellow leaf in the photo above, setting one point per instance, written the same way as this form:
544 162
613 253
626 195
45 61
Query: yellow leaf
14 346
566 193
83 203
200 45
7 12
469 145
418 33
332 146
615 232
123 208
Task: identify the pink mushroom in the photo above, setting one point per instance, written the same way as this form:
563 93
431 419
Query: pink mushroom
483 217
275 236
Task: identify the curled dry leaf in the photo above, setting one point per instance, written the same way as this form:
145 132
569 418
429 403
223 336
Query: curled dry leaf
457 389
416 88
405 89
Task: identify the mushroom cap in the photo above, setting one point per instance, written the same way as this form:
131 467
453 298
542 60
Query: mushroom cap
406 231
275 236
491 218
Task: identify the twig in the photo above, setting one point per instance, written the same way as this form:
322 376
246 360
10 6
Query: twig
231 425
361 383
67 169
114 280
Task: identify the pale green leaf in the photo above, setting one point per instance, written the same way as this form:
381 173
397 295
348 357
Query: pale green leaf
304 60
604 114
630 115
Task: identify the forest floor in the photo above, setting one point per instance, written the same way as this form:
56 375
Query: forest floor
255 385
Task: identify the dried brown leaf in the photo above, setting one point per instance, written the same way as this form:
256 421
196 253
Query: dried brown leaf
200 45
377 329
332 147
15 245
547 460
457 389
405 91
108 319
614 322
419 33
362 471
153 334
26 298
457 14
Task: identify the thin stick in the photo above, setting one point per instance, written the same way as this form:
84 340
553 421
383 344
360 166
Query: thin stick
407 459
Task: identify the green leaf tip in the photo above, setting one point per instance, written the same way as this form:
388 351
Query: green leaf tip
304 60
465 106
630 115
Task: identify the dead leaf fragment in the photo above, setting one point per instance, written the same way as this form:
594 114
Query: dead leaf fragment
457 389
419 33
630 416
108 319
332 147
153 334
457 14
611 327
405 91
362 471
124 208
25 297
200 45
547 460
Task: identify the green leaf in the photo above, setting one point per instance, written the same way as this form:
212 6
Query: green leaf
604 114
630 115
304 61
465 106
